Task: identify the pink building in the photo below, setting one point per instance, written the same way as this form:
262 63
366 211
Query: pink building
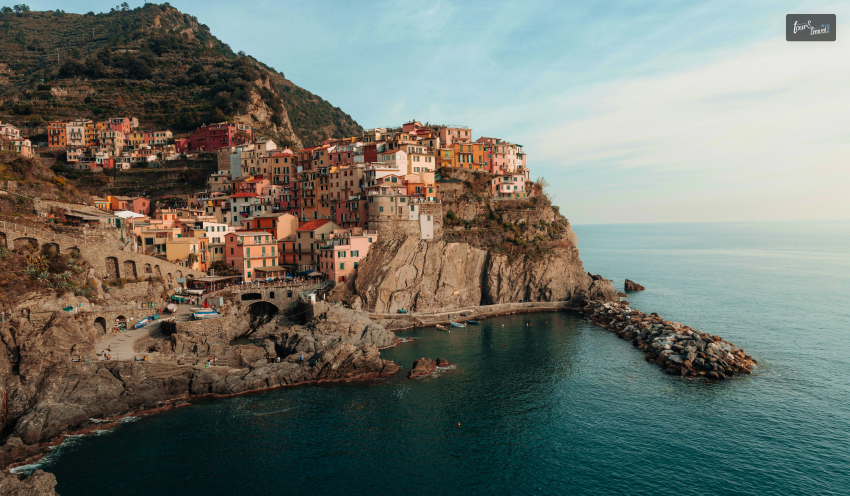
140 205
508 186
252 254
455 134
340 256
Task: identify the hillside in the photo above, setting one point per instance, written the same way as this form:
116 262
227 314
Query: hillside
153 62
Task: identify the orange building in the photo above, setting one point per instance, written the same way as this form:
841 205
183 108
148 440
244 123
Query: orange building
469 156
57 135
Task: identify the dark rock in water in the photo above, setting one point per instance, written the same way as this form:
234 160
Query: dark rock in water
621 294
633 286
422 367
442 362
40 483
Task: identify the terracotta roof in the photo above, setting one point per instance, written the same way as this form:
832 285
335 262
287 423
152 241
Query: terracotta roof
313 225
243 195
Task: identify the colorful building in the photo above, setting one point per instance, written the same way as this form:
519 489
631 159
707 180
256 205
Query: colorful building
343 251
252 254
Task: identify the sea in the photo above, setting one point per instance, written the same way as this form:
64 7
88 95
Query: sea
548 403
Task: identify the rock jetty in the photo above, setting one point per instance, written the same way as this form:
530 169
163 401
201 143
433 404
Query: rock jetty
633 286
676 348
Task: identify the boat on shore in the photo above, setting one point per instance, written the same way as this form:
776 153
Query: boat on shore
457 324
204 315
144 322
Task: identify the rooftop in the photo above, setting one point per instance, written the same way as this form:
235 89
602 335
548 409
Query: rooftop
313 225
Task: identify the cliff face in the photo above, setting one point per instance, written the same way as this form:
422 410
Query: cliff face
433 276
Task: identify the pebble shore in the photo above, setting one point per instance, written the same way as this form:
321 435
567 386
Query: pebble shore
676 348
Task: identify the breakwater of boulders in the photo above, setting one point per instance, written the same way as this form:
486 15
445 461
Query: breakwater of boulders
676 348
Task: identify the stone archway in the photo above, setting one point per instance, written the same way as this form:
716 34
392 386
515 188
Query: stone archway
24 242
261 312
170 279
179 274
3 239
54 247
72 251
130 269
148 269
112 268
100 325
157 272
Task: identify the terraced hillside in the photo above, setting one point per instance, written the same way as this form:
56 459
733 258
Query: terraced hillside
153 62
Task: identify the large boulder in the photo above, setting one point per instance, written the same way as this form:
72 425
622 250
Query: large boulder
633 286
422 368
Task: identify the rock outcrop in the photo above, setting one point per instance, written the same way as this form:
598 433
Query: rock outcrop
678 349
633 286
422 367
435 275
39 483
48 395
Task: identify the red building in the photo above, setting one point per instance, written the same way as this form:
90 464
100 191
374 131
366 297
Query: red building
222 135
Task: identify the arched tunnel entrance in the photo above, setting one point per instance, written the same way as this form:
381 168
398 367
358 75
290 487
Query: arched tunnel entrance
262 312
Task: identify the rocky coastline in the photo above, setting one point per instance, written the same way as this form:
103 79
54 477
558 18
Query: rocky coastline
678 349
48 396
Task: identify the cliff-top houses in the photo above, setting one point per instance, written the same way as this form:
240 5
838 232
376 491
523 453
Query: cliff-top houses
270 211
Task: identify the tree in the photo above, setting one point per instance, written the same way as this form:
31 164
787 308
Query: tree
6 10
191 259
222 269
125 6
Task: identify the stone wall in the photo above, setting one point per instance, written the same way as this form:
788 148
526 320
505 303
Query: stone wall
220 327
103 253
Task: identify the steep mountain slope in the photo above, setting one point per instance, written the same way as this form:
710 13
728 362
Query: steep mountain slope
156 63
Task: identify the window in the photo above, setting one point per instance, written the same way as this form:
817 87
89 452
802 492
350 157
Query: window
249 274
355 265
342 266
249 264
231 251
380 209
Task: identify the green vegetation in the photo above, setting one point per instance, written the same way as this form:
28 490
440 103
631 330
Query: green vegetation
153 62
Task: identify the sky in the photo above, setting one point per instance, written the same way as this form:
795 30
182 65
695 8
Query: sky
633 111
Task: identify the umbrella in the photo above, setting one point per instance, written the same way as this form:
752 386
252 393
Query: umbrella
314 274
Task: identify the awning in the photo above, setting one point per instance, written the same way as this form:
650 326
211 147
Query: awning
314 274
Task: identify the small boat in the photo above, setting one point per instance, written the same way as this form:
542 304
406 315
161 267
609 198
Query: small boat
473 322
144 322
442 327
204 315
171 307
456 324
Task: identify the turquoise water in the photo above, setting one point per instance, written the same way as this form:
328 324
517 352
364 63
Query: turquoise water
552 408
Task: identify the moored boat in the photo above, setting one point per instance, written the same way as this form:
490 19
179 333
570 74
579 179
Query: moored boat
457 324
473 322
442 327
